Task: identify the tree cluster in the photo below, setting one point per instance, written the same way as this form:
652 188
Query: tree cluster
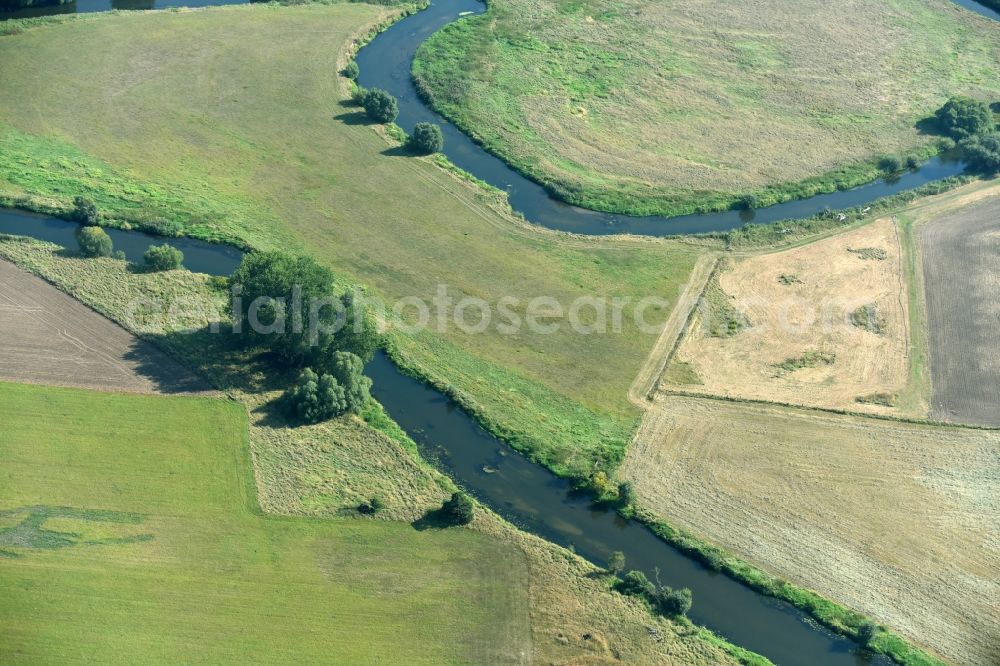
664 599
287 305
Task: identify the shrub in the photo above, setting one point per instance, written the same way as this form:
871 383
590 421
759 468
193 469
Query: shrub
380 106
314 398
626 493
616 563
890 164
866 633
458 509
912 162
372 506
94 242
162 227
983 152
351 71
348 369
162 258
426 139
962 117
636 584
85 211
672 603
749 202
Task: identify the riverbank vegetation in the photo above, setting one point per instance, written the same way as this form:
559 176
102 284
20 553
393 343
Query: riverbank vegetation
673 108
234 161
336 468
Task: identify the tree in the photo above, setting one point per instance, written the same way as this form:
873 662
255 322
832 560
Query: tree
426 139
616 563
380 106
85 211
94 242
287 305
673 603
983 152
352 71
635 583
458 509
866 633
962 117
348 369
626 493
314 398
162 258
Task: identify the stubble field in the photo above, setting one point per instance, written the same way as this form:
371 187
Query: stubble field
824 325
961 263
899 521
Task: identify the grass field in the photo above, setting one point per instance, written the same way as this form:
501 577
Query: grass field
898 521
179 116
670 107
212 579
801 341
328 469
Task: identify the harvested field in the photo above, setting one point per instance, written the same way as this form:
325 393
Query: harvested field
823 325
961 263
899 521
50 338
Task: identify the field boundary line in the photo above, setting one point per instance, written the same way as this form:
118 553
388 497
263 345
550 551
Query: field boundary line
646 381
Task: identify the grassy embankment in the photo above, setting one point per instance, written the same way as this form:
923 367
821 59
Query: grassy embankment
178 119
190 570
672 108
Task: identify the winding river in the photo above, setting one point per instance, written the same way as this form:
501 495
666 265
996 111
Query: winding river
522 492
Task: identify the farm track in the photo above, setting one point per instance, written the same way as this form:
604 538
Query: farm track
51 338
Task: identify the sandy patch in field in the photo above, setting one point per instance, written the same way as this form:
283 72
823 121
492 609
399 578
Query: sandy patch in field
810 312
898 521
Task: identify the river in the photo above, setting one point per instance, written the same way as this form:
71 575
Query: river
522 492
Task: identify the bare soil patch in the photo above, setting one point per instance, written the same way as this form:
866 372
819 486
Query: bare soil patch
783 327
50 338
899 521
961 264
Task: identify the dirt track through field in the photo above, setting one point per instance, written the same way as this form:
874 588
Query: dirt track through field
47 337
899 521
961 259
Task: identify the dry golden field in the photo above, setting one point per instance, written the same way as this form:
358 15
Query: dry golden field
808 337
899 521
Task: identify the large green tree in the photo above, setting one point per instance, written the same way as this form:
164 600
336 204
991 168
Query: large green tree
288 304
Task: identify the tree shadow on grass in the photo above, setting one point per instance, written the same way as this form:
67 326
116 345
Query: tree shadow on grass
398 151
354 118
216 356
436 519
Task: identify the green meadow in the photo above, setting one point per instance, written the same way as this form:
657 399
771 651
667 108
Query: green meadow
178 118
674 107
130 533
